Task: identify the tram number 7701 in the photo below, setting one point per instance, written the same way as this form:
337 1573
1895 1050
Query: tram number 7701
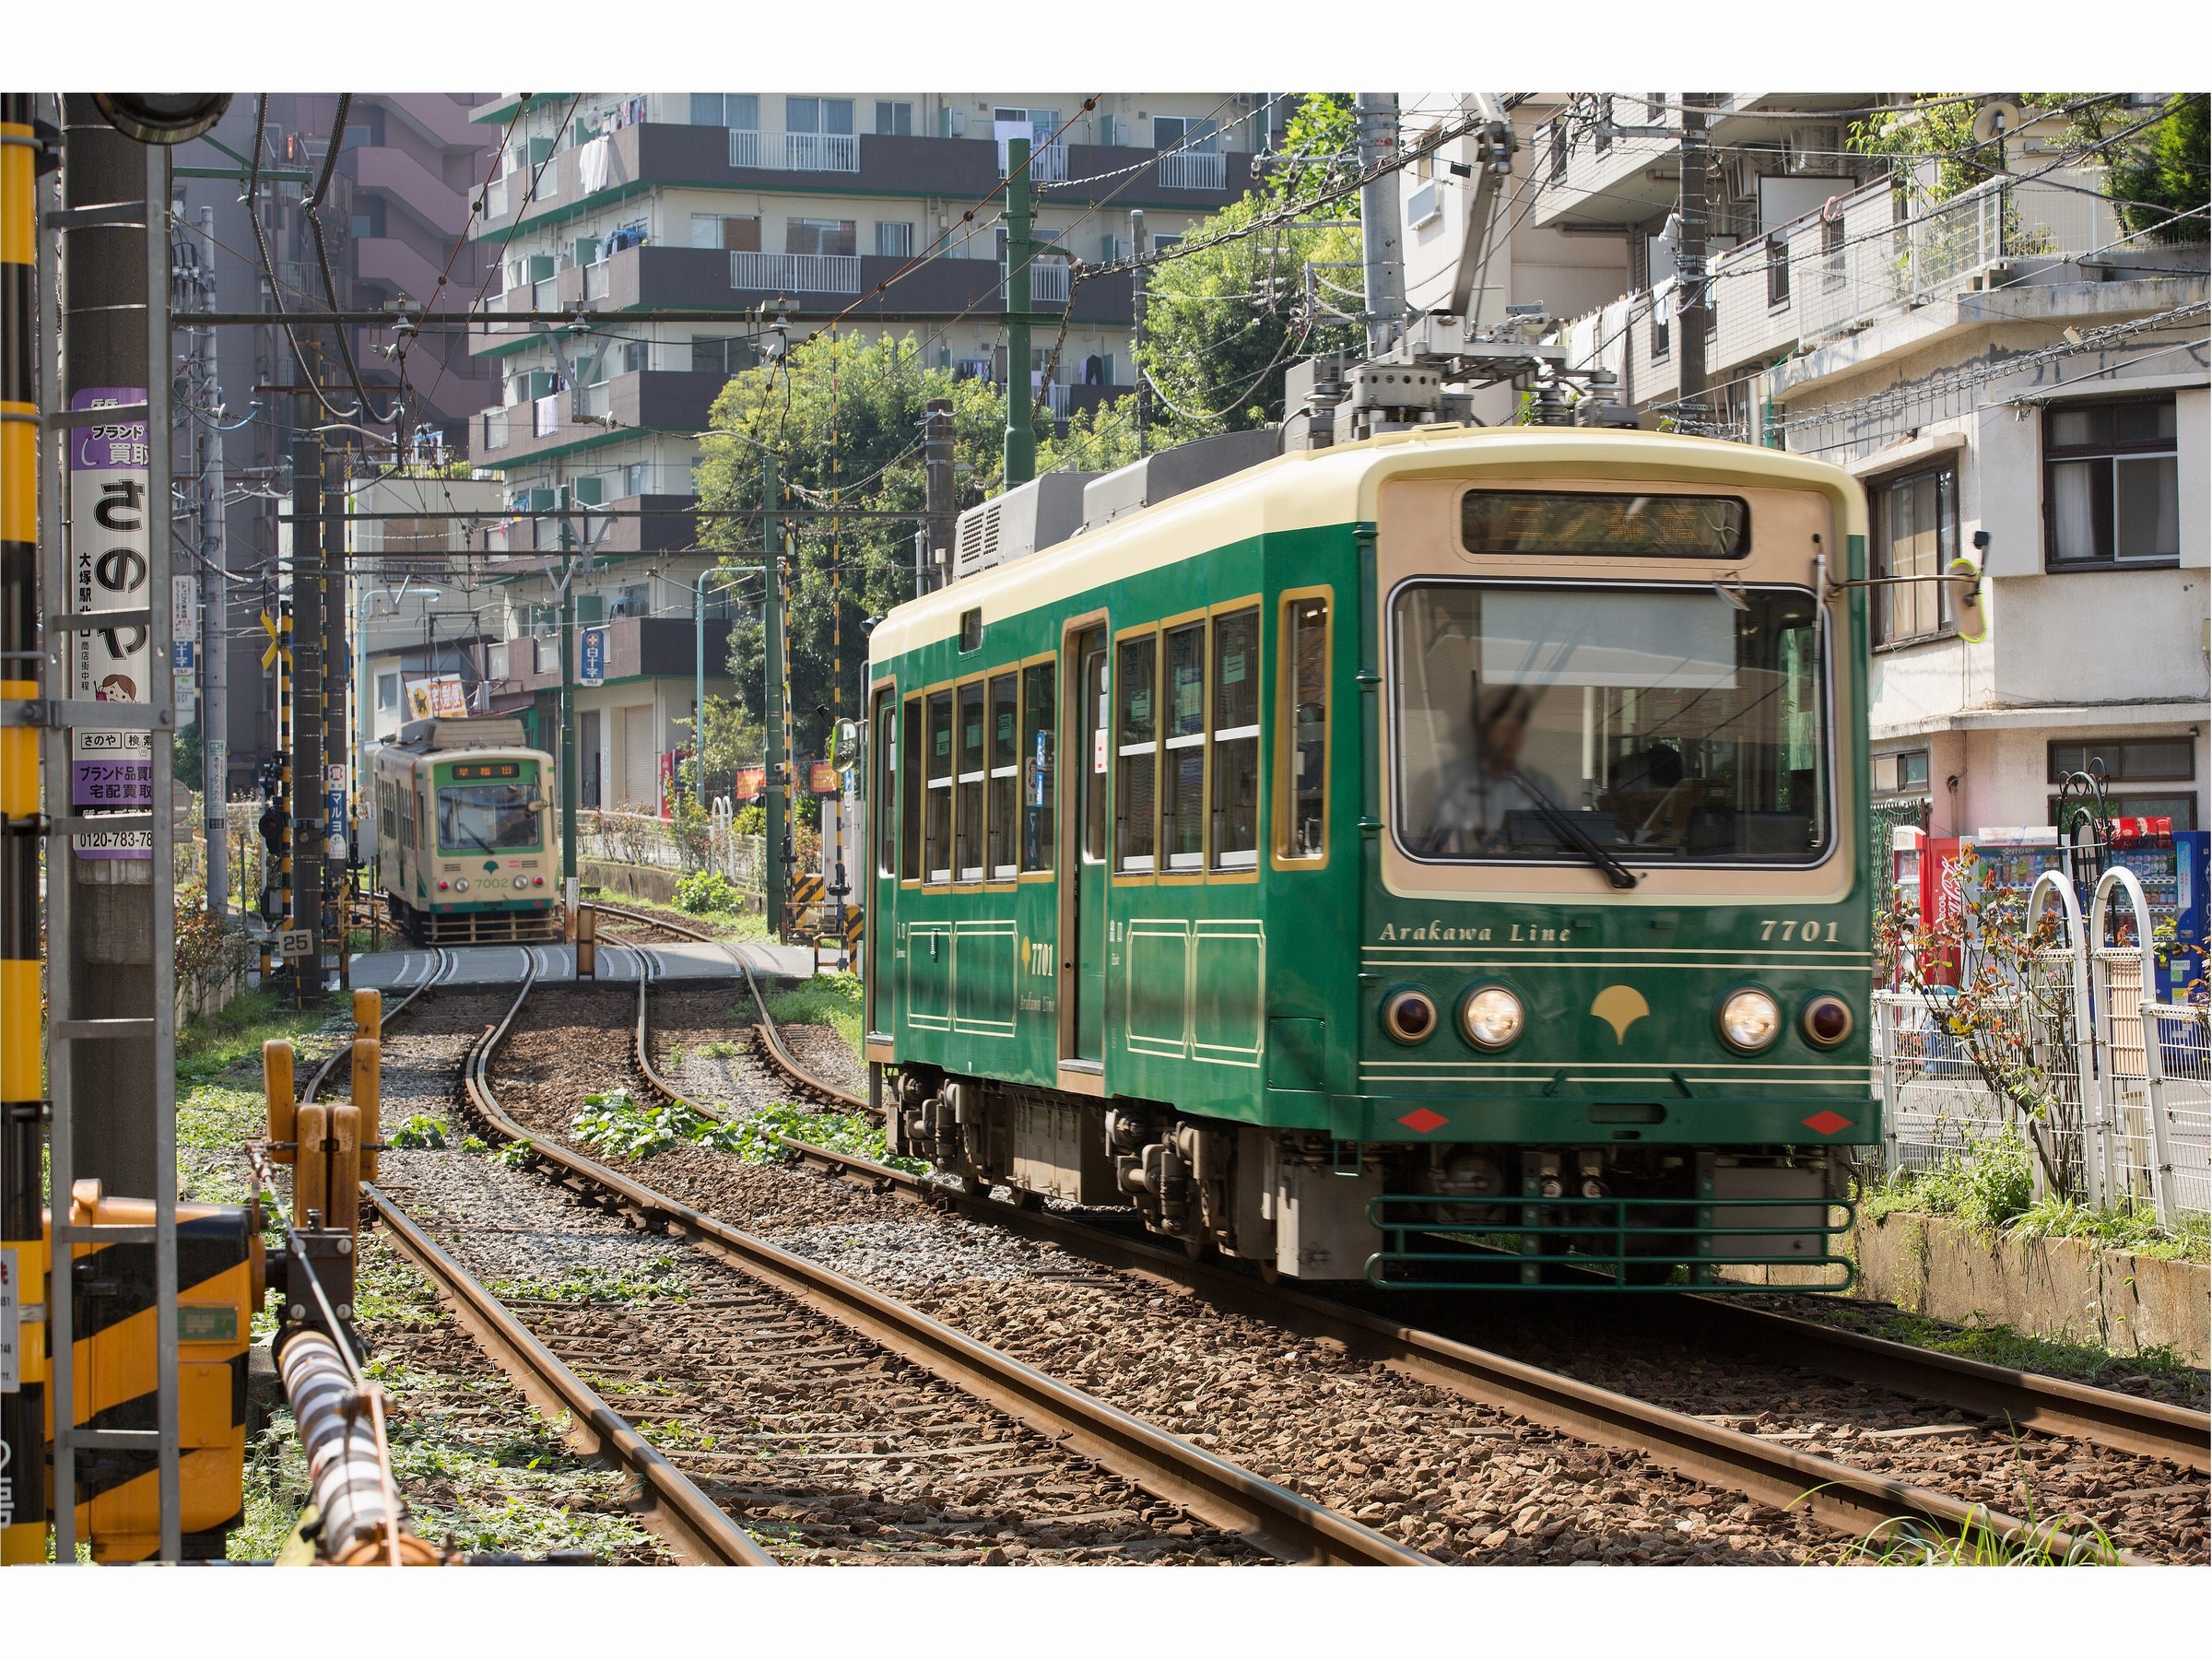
1809 932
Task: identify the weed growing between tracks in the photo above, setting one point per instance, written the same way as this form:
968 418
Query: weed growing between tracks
614 1123
827 999
1913 1544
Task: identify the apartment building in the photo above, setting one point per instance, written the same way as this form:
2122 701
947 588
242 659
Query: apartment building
767 208
394 219
2007 364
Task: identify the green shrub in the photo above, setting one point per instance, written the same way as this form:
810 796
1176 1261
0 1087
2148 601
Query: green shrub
616 1123
420 1132
708 893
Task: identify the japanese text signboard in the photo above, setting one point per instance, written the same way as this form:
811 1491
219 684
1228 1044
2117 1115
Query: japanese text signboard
109 476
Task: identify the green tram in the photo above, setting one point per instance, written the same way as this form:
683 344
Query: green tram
1438 859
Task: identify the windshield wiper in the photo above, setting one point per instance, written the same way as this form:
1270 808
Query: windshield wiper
1618 874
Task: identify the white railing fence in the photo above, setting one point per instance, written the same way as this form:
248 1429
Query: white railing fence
1193 169
795 152
796 273
2123 1082
639 838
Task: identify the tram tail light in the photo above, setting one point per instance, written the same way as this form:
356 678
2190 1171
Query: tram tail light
1410 1015
1827 1021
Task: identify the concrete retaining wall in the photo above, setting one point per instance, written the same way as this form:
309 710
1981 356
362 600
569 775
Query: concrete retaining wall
2066 1289
648 882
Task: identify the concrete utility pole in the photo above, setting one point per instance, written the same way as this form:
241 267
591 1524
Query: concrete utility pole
937 488
306 806
111 929
771 705
1377 117
1689 265
215 603
1021 427
1138 247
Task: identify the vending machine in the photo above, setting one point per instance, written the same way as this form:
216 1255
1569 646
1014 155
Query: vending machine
2183 975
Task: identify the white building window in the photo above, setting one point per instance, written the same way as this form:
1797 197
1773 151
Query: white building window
894 239
2111 485
740 109
894 120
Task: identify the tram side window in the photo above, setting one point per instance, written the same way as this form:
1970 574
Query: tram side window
1305 670
936 829
910 797
1002 790
385 816
1183 744
968 808
1038 738
1236 673
887 777
1136 752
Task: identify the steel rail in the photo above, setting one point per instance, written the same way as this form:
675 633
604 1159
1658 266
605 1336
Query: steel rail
773 1037
681 1512
1855 1503
1291 1528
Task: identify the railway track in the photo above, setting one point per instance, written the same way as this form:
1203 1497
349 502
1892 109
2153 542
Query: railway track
1710 1448
1082 1474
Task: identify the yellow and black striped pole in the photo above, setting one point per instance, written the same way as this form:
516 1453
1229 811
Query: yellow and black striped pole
22 1229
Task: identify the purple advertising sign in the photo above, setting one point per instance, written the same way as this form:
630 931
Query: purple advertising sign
110 472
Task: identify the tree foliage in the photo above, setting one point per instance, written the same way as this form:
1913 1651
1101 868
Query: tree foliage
843 415
2162 172
1933 144
1223 322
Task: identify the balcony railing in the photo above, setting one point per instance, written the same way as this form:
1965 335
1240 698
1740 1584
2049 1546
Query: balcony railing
496 197
597 403
796 273
1048 162
544 294
1193 169
1047 282
595 280
795 152
494 429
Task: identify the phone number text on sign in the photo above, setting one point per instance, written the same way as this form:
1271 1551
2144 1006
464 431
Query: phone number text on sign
110 473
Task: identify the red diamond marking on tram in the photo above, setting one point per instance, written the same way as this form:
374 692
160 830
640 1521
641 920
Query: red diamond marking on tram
1422 1120
1827 1122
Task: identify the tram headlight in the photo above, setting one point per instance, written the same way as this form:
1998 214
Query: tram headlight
461 884
1826 1020
522 881
1491 1016
1750 1020
1410 1015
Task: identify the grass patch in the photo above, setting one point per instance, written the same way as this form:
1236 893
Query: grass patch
1994 1193
1911 1544
827 999
724 924
420 1133
596 1285
2001 1345
210 1045
720 1051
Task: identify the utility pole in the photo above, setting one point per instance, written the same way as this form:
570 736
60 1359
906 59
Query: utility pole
1021 430
215 604
1689 265
337 670
571 894
22 1089
771 711
937 489
1138 247
1377 117
306 682
111 901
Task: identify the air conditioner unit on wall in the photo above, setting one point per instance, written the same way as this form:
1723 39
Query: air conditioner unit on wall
1816 149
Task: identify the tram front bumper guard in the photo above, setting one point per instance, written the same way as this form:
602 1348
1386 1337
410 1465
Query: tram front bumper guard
1616 1243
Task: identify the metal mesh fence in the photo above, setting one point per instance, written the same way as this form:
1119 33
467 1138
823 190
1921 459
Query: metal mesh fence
2179 1090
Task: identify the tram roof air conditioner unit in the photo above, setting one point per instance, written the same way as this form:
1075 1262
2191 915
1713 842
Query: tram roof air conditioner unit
463 732
1171 472
1027 519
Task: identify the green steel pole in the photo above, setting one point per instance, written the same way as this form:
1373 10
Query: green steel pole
771 670
1021 430
568 718
699 689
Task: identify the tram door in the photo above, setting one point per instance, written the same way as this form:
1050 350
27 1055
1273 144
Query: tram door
1086 956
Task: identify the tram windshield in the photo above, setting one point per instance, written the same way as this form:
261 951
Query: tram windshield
1674 725
490 817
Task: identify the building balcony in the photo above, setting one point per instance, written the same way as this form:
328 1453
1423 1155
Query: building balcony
652 524
405 182
637 647
655 278
648 400
795 152
633 157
